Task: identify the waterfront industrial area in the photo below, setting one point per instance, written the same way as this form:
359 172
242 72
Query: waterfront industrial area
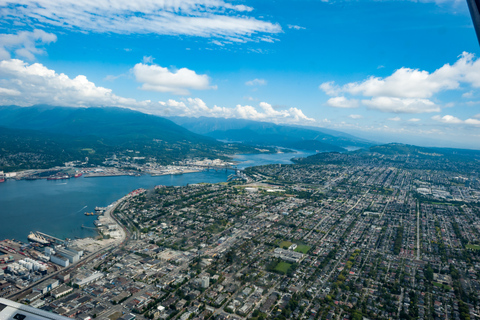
364 238
118 168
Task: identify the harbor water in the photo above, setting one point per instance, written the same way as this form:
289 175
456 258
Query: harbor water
57 207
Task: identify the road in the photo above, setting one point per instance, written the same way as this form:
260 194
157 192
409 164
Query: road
418 231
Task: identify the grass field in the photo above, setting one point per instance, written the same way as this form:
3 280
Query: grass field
285 244
472 246
303 248
282 267
436 284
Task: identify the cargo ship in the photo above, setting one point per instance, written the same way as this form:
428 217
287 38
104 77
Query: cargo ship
37 238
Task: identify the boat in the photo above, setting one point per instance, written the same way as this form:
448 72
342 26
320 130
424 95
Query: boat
36 238
58 178
77 175
89 213
2 180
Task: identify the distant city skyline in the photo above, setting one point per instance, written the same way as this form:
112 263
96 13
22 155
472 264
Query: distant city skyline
400 71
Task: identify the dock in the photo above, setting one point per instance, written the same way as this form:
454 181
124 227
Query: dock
49 237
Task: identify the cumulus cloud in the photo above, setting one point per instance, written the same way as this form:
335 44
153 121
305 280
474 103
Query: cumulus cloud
449 119
414 120
330 88
26 84
410 90
203 18
474 122
25 44
342 102
256 82
156 78
195 107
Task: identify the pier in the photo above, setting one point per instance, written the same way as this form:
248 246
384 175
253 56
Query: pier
93 228
49 237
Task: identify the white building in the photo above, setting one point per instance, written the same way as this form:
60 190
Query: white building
72 255
82 281
205 282
61 261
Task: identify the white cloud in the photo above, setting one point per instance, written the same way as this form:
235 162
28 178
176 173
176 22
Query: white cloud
9 92
256 82
342 102
404 83
196 107
409 90
355 116
397 105
25 44
148 59
156 78
292 26
330 88
26 84
474 122
447 119
218 43
40 85
414 120
203 18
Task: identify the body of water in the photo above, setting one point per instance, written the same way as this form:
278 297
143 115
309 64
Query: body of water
57 207
249 160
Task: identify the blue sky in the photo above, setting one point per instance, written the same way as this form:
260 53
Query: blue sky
401 71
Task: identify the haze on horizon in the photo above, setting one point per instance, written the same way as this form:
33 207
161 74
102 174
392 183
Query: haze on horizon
400 71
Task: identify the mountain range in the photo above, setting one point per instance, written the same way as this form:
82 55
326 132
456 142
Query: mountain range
270 134
53 135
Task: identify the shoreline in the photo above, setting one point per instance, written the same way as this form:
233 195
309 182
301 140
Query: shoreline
30 175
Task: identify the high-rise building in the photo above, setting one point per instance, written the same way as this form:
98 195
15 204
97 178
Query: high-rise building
205 282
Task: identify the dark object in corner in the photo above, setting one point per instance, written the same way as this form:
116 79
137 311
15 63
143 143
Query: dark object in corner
474 6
